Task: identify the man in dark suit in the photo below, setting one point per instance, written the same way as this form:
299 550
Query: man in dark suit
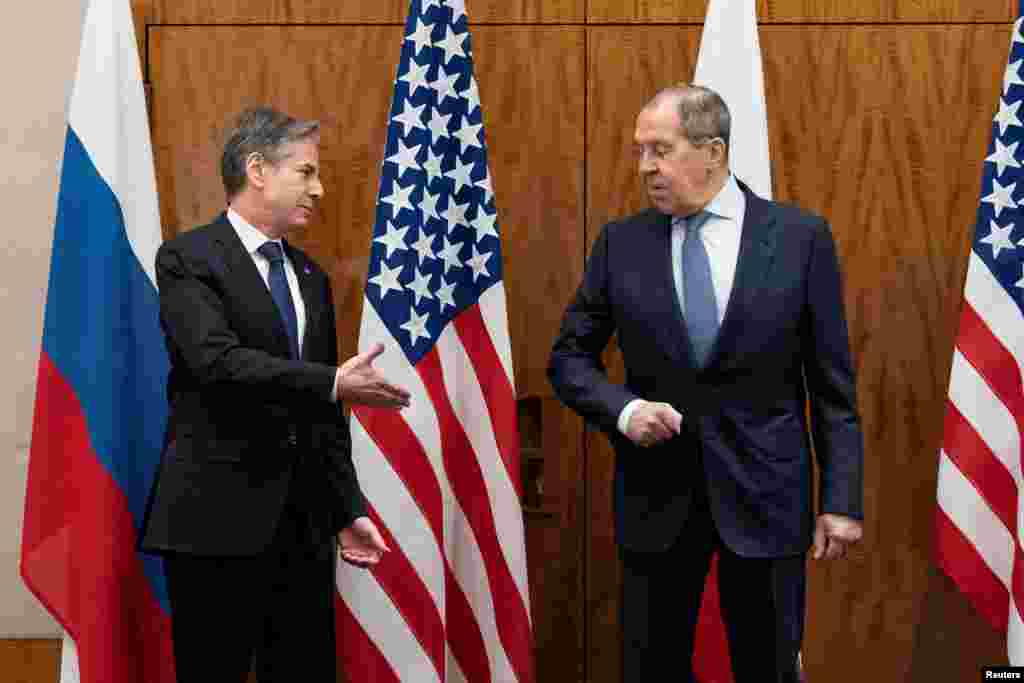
256 479
729 314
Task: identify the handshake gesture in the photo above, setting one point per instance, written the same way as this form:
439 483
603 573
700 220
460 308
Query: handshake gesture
358 382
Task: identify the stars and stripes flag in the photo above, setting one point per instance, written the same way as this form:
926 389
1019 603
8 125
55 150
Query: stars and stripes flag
442 478
979 529
100 408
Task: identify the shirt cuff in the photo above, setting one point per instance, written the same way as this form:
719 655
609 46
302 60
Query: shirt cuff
627 412
337 380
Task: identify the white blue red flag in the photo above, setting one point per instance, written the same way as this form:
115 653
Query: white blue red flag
451 601
100 407
979 529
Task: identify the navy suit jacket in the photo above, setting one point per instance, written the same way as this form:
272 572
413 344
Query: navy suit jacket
243 413
784 336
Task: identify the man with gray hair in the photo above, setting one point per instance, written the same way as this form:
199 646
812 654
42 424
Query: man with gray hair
256 487
729 315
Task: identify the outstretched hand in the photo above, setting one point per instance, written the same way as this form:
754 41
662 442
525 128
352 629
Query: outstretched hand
360 383
361 544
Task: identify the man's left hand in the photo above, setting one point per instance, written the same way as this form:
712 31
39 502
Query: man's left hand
833 534
361 543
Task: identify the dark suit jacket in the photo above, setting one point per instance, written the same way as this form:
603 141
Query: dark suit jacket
244 416
784 334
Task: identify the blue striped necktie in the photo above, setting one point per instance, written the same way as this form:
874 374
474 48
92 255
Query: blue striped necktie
698 291
282 293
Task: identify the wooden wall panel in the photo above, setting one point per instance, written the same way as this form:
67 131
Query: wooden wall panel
532 91
376 12
883 131
29 660
806 11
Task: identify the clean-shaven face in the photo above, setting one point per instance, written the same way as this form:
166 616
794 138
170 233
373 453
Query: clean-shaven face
675 174
292 186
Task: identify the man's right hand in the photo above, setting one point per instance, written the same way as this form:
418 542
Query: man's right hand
359 383
652 423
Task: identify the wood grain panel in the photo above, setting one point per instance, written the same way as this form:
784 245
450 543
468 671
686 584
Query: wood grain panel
30 660
358 12
883 131
531 83
806 11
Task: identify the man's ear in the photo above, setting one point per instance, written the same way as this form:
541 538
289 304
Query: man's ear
254 169
716 153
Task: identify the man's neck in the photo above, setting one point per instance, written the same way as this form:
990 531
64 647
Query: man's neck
254 216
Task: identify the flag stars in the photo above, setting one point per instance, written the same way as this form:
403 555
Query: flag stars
432 165
421 36
469 135
999 238
484 225
478 262
472 94
420 286
455 214
416 326
438 125
405 158
450 255
445 85
415 77
485 184
410 118
400 198
1001 197
1007 115
452 44
387 279
446 294
424 247
458 9
393 239
1004 156
460 174
428 205
1012 76
1020 283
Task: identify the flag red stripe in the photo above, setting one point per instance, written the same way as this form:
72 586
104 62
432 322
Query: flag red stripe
405 453
711 661
1017 581
357 652
78 547
464 636
961 562
411 597
468 485
496 388
992 361
972 456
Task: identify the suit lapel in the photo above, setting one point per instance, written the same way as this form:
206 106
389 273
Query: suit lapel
675 338
244 275
753 266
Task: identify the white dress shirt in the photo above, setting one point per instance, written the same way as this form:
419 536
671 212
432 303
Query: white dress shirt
721 236
253 239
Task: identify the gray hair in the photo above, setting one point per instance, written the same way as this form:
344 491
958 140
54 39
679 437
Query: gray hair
702 111
264 131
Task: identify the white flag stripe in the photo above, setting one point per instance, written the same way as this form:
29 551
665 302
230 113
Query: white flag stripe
1015 634
471 410
399 512
993 305
471 575
108 113
983 410
420 415
383 623
729 62
969 512
69 672
494 312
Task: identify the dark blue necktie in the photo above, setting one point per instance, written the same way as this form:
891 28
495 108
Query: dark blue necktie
698 291
282 293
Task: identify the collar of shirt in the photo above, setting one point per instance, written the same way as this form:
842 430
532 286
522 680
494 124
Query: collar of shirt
728 203
252 239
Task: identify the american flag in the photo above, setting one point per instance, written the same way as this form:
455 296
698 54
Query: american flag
979 514
451 601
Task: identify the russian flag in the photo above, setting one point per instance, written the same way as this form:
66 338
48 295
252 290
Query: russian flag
100 409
